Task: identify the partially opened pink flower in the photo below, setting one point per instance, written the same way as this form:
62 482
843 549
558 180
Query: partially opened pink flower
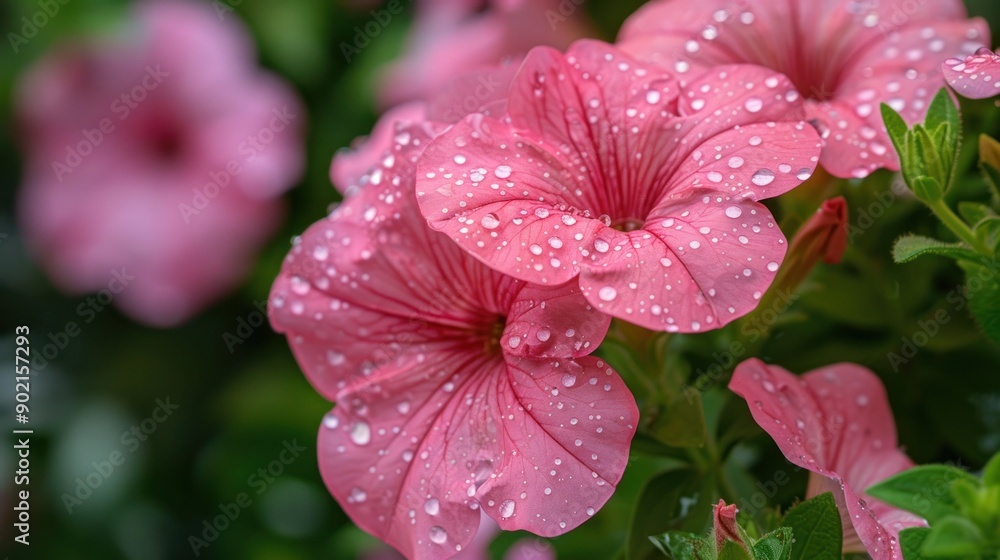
456 388
845 56
450 38
976 76
159 154
835 422
607 170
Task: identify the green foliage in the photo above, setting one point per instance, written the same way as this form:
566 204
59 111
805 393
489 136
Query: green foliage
817 528
923 490
911 246
963 511
675 500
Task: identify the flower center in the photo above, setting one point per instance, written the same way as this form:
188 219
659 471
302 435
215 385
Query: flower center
628 224
494 333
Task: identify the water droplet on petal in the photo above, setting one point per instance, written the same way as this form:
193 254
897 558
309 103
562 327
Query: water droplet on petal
438 535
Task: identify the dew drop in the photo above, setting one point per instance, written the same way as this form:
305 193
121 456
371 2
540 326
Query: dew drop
361 433
438 535
490 221
607 293
734 212
763 177
432 506
507 509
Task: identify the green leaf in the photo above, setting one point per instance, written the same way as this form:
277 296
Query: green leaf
953 536
910 247
943 111
983 291
817 529
928 189
674 500
776 545
991 474
734 551
911 541
975 212
685 546
923 490
988 231
989 163
897 128
681 422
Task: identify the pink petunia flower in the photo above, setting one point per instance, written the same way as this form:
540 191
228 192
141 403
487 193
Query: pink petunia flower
457 388
836 423
453 37
607 170
845 56
158 156
977 76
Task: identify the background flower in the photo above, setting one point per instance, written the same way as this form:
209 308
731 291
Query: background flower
844 56
159 155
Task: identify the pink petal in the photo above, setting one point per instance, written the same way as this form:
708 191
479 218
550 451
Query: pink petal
471 187
699 263
532 319
976 77
836 422
483 92
350 167
565 447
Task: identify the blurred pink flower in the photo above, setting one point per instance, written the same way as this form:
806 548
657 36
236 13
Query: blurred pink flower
476 92
453 37
457 388
162 153
977 76
606 170
836 423
845 56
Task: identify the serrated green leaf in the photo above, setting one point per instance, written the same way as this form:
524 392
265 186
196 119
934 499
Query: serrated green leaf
983 290
817 529
674 500
734 551
991 474
911 541
910 247
776 545
953 537
975 212
924 490
685 546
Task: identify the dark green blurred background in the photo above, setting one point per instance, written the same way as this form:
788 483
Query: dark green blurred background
238 410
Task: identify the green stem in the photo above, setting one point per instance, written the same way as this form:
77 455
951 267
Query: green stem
957 226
